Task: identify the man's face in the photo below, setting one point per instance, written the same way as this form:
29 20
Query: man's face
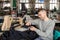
42 14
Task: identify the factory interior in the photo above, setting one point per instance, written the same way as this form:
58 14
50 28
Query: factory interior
17 19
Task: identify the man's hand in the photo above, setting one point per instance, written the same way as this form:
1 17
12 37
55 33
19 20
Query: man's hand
32 28
28 23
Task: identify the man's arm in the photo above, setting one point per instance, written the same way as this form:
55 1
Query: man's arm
47 32
33 22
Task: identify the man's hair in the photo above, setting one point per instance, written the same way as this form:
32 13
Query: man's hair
42 10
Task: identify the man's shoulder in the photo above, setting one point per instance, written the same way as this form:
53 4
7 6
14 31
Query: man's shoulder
52 21
38 19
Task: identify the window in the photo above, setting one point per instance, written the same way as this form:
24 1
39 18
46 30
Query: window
26 3
53 3
20 6
39 3
6 5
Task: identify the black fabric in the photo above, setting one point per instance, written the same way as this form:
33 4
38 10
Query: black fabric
58 38
18 35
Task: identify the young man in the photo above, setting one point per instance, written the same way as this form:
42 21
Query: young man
45 25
